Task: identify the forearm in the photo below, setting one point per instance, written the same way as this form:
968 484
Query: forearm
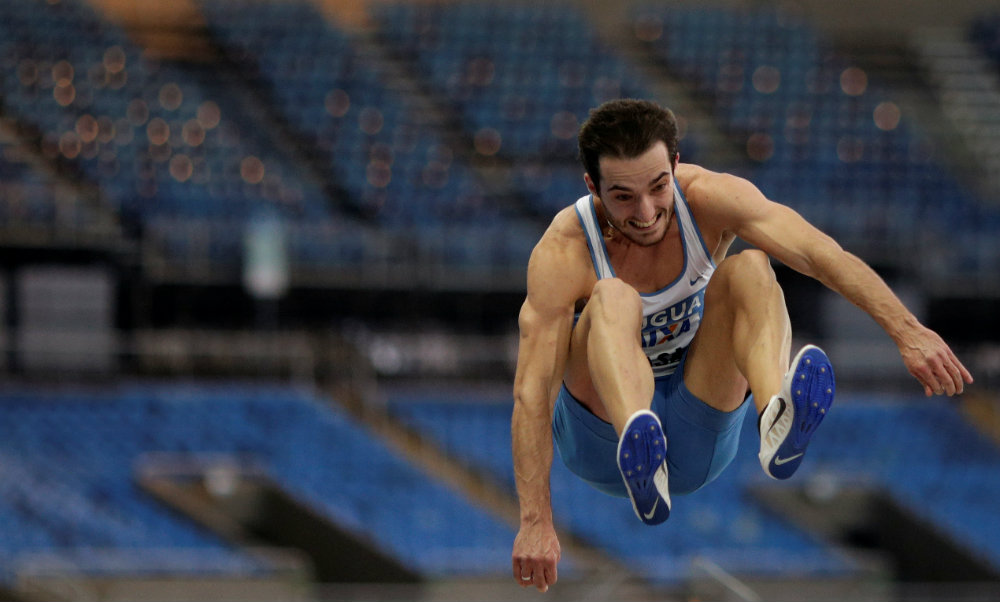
852 278
531 441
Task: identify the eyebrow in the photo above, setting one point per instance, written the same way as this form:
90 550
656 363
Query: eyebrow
627 189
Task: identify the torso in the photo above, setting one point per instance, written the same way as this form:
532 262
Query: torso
670 276
647 269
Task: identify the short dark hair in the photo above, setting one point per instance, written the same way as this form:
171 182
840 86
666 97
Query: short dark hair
624 129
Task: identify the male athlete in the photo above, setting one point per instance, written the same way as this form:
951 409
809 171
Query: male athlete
640 338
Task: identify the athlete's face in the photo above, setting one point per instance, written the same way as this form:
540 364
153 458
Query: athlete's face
638 194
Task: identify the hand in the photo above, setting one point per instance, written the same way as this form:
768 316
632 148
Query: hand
536 555
932 362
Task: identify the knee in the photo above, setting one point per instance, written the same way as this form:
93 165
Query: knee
751 267
613 299
747 272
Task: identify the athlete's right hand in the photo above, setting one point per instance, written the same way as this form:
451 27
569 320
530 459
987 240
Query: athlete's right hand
536 555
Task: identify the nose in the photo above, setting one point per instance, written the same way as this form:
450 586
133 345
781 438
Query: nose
646 208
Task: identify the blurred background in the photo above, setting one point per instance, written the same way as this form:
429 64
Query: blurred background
261 263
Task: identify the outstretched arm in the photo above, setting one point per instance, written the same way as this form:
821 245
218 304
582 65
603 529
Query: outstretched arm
786 236
545 322
927 357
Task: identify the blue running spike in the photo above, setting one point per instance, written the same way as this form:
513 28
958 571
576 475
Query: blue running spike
643 468
791 417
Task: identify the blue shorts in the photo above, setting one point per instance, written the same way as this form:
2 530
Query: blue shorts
701 441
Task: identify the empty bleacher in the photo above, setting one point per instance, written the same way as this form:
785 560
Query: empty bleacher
67 480
925 455
294 121
176 157
826 140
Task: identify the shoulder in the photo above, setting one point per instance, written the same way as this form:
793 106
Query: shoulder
722 204
703 185
563 243
560 263
719 197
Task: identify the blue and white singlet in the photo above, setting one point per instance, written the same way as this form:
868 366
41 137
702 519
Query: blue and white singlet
670 316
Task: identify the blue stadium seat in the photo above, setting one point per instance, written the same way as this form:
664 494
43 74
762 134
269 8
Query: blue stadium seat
905 448
394 167
530 75
67 477
802 109
155 139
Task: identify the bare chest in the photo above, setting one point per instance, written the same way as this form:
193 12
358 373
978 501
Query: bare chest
648 269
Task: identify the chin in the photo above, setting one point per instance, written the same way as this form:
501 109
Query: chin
646 239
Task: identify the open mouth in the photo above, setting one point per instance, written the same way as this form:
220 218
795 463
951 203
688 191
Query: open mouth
645 225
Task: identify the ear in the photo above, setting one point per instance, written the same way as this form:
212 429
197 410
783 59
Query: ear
590 184
677 158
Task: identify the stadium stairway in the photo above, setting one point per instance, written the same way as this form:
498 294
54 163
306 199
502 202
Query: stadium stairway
167 30
968 88
85 473
402 81
178 33
68 488
585 566
43 207
922 452
628 37
896 63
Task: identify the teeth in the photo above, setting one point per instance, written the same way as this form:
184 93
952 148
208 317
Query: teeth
645 224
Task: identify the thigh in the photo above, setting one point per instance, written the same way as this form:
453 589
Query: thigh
587 445
701 440
605 352
710 371
576 378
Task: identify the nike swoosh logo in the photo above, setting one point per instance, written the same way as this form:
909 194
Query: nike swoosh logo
695 281
780 461
653 511
781 410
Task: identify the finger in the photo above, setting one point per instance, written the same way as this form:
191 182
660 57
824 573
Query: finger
538 580
551 575
522 574
931 386
940 379
948 372
925 376
966 376
946 381
954 378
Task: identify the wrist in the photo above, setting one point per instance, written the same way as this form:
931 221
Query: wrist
536 518
904 327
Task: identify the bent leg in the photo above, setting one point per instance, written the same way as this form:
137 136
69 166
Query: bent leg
607 369
609 372
744 337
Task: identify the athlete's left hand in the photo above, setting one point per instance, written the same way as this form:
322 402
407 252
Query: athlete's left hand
933 363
